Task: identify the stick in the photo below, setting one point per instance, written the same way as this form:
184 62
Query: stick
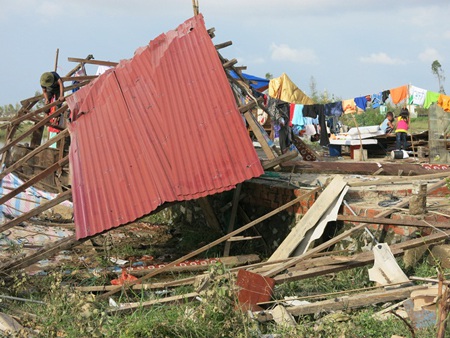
214 243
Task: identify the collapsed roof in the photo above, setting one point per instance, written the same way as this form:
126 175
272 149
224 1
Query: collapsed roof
163 126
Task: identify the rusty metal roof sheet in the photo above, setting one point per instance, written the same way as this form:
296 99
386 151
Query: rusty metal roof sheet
160 127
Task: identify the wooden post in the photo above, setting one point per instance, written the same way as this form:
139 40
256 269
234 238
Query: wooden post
418 200
211 219
212 244
195 7
234 209
56 59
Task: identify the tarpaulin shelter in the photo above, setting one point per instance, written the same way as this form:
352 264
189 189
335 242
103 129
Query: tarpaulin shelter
284 89
257 83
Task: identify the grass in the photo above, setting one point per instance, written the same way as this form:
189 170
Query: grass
70 313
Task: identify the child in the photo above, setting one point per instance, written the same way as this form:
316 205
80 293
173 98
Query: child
386 126
402 129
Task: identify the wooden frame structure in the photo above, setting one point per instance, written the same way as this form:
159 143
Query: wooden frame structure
50 177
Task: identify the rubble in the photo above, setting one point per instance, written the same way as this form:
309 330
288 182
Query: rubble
346 215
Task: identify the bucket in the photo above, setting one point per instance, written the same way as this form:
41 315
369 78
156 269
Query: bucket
399 154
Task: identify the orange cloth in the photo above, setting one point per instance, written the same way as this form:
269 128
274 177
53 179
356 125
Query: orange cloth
444 102
349 106
399 94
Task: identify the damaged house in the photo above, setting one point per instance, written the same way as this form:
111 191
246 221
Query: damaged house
178 123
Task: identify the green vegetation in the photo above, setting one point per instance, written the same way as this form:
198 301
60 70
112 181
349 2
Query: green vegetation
71 313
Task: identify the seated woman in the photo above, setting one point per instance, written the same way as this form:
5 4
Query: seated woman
387 126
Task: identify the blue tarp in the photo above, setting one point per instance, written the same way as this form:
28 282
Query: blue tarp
258 83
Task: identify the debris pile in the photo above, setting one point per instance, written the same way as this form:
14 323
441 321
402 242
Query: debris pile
330 223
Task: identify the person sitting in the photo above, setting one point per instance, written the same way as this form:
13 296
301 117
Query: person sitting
387 126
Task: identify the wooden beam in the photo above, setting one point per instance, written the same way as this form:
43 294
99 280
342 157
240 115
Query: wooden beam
250 105
166 300
211 219
252 122
230 63
36 211
389 221
49 250
93 62
289 155
311 269
234 209
214 243
43 122
20 162
399 180
354 301
78 78
34 179
223 45
338 238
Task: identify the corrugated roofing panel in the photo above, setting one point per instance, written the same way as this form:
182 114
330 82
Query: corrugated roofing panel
160 127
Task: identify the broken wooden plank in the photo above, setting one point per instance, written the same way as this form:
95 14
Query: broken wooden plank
34 179
354 301
93 62
66 243
398 180
230 261
389 221
308 269
234 208
36 211
310 219
41 123
167 300
218 241
253 123
20 162
211 219
289 155
338 238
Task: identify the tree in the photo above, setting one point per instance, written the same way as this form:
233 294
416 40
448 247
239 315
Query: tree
269 76
437 70
313 89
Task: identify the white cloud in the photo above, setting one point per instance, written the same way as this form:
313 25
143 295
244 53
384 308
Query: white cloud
429 55
382 58
283 52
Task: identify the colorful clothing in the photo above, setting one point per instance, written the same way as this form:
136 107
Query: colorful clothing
402 125
444 102
399 94
430 98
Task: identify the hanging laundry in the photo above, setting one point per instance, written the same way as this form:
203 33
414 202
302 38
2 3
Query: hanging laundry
324 140
416 95
284 89
333 109
385 95
309 111
310 120
444 102
361 102
399 94
349 106
298 119
430 98
291 113
376 100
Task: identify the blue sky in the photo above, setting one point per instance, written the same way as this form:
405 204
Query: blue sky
351 48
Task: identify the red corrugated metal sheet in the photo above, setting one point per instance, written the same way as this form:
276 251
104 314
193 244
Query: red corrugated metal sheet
160 127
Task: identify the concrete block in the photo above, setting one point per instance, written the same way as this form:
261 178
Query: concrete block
440 254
